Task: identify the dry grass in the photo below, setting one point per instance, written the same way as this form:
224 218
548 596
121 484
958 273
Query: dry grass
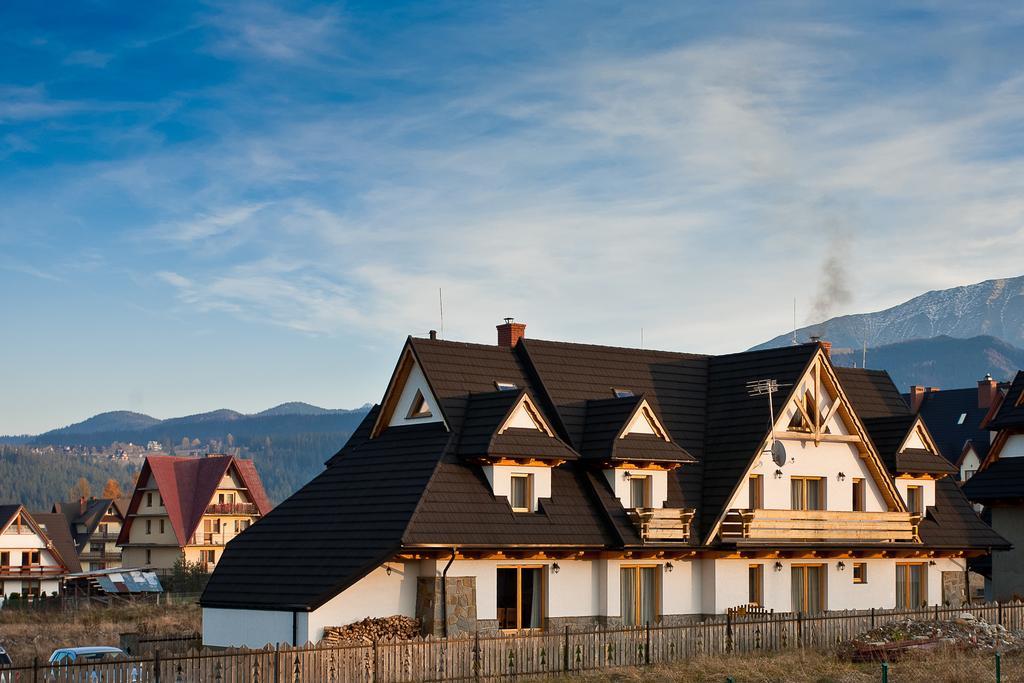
27 634
943 666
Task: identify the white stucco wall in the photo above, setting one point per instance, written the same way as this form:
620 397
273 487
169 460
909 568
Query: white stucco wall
413 383
245 627
500 479
970 464
374 595
1014 447
618 478
927 486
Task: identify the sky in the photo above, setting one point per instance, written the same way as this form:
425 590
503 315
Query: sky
239 204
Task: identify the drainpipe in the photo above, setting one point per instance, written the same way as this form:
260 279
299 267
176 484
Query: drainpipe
444 594
295 629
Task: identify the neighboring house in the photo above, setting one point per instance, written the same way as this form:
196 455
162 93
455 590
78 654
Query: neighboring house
999 486
539 484
189 509
31 562
94 525
955 418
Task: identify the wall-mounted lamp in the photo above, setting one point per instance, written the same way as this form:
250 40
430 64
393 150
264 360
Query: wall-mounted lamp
778 566
778 474
931 563
841 566
669 567
842 476
387 569
555 568
626 474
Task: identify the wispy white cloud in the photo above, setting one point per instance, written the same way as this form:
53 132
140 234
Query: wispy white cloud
270 32
90 58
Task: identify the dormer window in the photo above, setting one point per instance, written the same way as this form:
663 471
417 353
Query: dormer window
623 393
521 493
963 416
419 407
505 386
640 491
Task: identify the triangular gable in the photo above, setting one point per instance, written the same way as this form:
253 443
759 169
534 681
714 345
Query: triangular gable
835 421
22 516
644 421
525 415
919 438
409 398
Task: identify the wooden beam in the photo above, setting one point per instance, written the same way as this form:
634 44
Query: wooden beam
828 438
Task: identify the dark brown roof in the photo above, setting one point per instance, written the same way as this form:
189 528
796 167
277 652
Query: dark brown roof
1002 480
333 530
55 524
872 393
952 522
1011 411
606 418
486 413
954 419
889 433
90 518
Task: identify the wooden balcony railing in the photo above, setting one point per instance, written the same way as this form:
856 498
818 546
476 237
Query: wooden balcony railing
820 526
662 524
29 570
231 509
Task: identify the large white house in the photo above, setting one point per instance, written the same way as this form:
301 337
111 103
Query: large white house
35 553
537 484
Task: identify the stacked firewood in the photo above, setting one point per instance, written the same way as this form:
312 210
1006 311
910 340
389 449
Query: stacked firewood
368 630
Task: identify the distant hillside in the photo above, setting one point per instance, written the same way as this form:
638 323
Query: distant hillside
40 479
992 308
117 420
285 419
942 361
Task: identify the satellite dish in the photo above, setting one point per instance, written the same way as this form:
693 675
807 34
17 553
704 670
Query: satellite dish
779 453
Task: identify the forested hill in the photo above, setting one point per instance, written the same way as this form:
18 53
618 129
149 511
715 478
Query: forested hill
40 479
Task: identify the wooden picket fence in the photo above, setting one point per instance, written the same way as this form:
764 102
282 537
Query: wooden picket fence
505 656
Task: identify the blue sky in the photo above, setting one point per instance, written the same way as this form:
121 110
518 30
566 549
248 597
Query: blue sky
234 205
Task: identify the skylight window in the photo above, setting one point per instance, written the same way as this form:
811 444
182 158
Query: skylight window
506 386
963 416
623 393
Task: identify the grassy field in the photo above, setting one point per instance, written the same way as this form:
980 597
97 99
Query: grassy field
28 634
944 666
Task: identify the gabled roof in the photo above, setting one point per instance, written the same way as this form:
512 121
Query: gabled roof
954 419
890 433
872 392
482 433
1002 480
953 523
90 518
603 438
187 486
57 530
1011 412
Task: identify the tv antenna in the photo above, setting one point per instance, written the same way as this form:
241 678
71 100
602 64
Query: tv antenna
769 387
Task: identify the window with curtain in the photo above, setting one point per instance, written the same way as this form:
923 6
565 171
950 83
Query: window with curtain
520 598
808 585
755 490
808 493
522 493
911 588
639 595
915 500
640 491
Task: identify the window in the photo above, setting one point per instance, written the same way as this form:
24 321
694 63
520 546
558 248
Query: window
5 559
520 597
419 407
161 526
963 416
755 491
522 493
803 420
623 393
30 558
31 589
858 495
639 595
149 556
968 474
808 493
505 386
755 585
226 498
149 500
915 500
911 585
208 556
640 491
808 583
97 547
860 572
149 526
103 529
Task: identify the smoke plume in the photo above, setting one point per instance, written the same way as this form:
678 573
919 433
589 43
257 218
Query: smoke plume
833 289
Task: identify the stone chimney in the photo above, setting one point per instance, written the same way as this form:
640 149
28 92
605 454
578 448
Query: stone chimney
987 390
510 333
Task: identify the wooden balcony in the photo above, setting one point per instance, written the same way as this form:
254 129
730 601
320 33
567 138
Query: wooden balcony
231 509
820 526
662 524
29 571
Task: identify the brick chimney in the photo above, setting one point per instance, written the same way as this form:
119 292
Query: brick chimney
987 390
511 332
917 393
81 505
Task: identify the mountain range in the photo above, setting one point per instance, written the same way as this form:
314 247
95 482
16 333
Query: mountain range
946 338
122 425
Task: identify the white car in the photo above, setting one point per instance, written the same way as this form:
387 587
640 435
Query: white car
100 656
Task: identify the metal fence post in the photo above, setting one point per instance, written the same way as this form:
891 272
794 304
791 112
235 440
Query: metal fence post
277 663
376 671
799 629
872 617
156 665
728 631
35 670
565 663
885 672
999 668
647 645
999 613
